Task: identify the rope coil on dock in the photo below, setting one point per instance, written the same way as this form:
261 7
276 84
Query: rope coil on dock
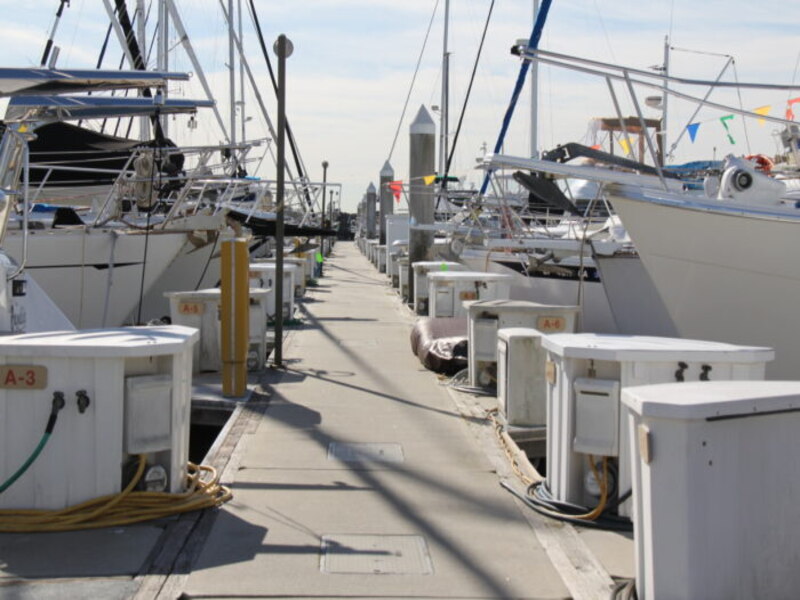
126 507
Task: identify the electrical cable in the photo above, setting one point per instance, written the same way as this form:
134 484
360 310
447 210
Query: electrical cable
150 207
57 405
298 163
604 522
466 98
125 507
208 262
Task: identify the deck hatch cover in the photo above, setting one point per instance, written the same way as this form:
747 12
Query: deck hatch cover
375 554
369 452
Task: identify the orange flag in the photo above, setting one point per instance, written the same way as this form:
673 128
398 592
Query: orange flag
397 189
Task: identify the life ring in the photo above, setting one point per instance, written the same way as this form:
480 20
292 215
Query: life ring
762 163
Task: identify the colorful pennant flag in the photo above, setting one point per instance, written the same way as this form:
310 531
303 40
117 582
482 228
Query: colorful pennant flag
443 267
692 129
597 147
789 111
397 189
626 147
429 179
763 111
320 258
724 120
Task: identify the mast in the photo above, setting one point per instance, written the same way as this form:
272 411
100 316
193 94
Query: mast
664 99
443 129
141 34
232 71
163 53
241 78
535 97
49 46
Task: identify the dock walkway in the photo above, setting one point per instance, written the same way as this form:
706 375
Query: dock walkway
356 473
362 479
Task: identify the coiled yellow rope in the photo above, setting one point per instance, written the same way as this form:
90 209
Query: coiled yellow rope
124 508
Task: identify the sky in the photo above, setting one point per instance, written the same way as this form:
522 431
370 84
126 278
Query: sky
353 62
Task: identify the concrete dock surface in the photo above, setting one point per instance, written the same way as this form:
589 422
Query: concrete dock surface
355 472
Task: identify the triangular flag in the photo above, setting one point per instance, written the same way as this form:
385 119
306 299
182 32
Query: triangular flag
320 258
692 129
763 111
789 111
596 147
429 179
724 120
397 188
626 147
443 267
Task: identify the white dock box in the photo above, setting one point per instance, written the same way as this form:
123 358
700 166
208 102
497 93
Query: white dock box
715 486
521 383
402 268
586 373
486 317
301 277
371 245
448 290
421 269
263 275
396 229
380 258
138 384
201 309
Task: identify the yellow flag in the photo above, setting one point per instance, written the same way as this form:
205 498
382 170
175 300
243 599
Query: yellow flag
626 147
762 110
429 179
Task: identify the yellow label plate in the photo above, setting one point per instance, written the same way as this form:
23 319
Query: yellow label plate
191 308
550 372
551 324
23 377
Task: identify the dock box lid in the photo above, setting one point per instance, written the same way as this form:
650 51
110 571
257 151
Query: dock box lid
649 348
712 399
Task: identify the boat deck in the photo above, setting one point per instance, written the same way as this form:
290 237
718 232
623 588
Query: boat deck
356 473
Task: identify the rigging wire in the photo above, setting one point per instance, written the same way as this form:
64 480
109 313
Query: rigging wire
741 105
301 172
466 97
605 31
413 79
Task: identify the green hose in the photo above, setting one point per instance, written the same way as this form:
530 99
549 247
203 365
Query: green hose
27 463
58 404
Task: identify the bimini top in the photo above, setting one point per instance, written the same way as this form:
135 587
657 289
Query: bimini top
14 82
62 108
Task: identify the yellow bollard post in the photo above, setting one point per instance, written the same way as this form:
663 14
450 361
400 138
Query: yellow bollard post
235 316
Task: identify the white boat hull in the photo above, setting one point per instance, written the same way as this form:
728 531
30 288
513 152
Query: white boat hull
195 268
724 274
596 316
74 267
634 300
